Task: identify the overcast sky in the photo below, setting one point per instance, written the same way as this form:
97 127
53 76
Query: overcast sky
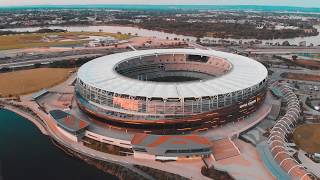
302 3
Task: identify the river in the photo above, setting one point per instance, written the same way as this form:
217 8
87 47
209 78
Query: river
144 32
25 153
111 29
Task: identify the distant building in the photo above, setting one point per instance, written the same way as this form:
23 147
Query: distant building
308 31
303 43
103 41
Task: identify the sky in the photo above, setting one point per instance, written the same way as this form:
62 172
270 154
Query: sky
301 3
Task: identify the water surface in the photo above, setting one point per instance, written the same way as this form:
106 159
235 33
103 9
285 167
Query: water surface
25 153
162 35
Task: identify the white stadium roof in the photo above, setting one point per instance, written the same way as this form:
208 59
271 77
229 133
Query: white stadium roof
100 73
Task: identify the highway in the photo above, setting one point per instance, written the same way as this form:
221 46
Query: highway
46 60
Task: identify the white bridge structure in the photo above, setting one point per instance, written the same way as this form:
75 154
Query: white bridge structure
278 137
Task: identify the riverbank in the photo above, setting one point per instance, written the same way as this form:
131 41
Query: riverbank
39 125
134 30
113 169
26 153
224 30
123 171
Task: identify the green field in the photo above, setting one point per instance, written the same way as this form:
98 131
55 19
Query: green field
20 41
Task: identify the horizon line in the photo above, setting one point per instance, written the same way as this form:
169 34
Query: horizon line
144 4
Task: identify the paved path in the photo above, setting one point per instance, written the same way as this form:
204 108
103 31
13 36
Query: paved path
309 164
308 109
247 165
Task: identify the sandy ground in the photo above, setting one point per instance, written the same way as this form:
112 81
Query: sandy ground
135 41
28 81
310 132
308 63
304 77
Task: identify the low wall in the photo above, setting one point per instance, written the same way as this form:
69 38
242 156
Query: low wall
108 140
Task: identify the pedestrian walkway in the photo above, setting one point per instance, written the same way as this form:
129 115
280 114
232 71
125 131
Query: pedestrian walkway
224 148
270 163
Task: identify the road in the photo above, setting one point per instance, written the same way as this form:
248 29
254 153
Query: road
308 163
46 60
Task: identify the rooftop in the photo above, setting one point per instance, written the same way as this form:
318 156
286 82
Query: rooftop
68 121
170 141
39 94
100 73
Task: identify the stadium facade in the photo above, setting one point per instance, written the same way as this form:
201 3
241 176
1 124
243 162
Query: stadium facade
171 90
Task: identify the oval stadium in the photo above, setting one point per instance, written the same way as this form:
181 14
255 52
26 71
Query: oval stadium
171 90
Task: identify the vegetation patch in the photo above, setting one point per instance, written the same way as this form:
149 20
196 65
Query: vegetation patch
222 30
106 148
215 174
32 40
160 175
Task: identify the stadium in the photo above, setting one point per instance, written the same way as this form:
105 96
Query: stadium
171 91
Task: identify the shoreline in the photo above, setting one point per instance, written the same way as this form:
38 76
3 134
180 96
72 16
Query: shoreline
68 151
115 168
27 116
160 30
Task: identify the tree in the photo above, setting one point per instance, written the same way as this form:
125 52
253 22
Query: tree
37 65
285 43
198 40
294 57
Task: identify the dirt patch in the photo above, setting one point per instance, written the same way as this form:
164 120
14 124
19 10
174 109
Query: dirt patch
308 63
28 81
304 77
19 41
307 136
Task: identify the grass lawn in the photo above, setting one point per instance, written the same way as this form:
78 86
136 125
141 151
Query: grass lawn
117 36
20 41
28 81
